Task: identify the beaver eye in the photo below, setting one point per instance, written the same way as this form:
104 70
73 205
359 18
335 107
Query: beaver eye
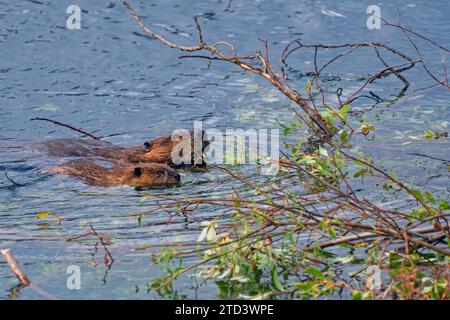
137 172
161 171
147 146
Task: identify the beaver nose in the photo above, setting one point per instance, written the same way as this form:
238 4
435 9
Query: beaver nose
176 176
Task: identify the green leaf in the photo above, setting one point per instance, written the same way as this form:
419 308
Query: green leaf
360 173
315 272
142 200
357 295
418 195
286 131
444 205
332 231
419 213
43 214
428 134
344 110
203 234
394 260
211 234
359 163
344 136
275 279
430 197
323 152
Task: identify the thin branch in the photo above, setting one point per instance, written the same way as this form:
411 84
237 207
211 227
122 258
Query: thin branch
397 74
15 267
199 30
12 181
101 237
414 33
67 126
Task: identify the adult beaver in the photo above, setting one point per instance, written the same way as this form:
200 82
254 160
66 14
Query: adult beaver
181 149
143 175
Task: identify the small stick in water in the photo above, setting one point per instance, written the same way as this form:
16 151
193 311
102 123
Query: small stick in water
67 126
11 180
15 268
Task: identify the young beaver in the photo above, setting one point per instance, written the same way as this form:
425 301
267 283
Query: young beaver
160 150
144 175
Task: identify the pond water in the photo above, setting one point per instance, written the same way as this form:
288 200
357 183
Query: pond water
109 79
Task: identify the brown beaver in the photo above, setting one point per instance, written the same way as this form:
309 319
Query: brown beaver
143 175
159 150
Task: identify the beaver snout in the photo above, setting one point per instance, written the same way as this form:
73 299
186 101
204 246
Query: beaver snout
176 176
170 176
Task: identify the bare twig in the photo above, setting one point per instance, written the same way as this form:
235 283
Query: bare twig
15 267
104 240
11 180
67 126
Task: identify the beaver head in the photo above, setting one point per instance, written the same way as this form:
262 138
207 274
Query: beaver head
147 175
143 175
179 149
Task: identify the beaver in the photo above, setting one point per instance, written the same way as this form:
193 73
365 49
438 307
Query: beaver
162 149
143 175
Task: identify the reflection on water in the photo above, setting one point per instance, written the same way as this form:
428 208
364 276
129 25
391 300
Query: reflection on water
110 79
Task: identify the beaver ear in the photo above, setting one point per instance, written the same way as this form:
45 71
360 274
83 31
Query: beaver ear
137 172
147 146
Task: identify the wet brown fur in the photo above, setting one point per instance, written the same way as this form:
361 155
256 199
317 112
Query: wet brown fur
142 175
158 150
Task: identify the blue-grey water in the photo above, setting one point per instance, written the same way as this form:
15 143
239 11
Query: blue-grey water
110 79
